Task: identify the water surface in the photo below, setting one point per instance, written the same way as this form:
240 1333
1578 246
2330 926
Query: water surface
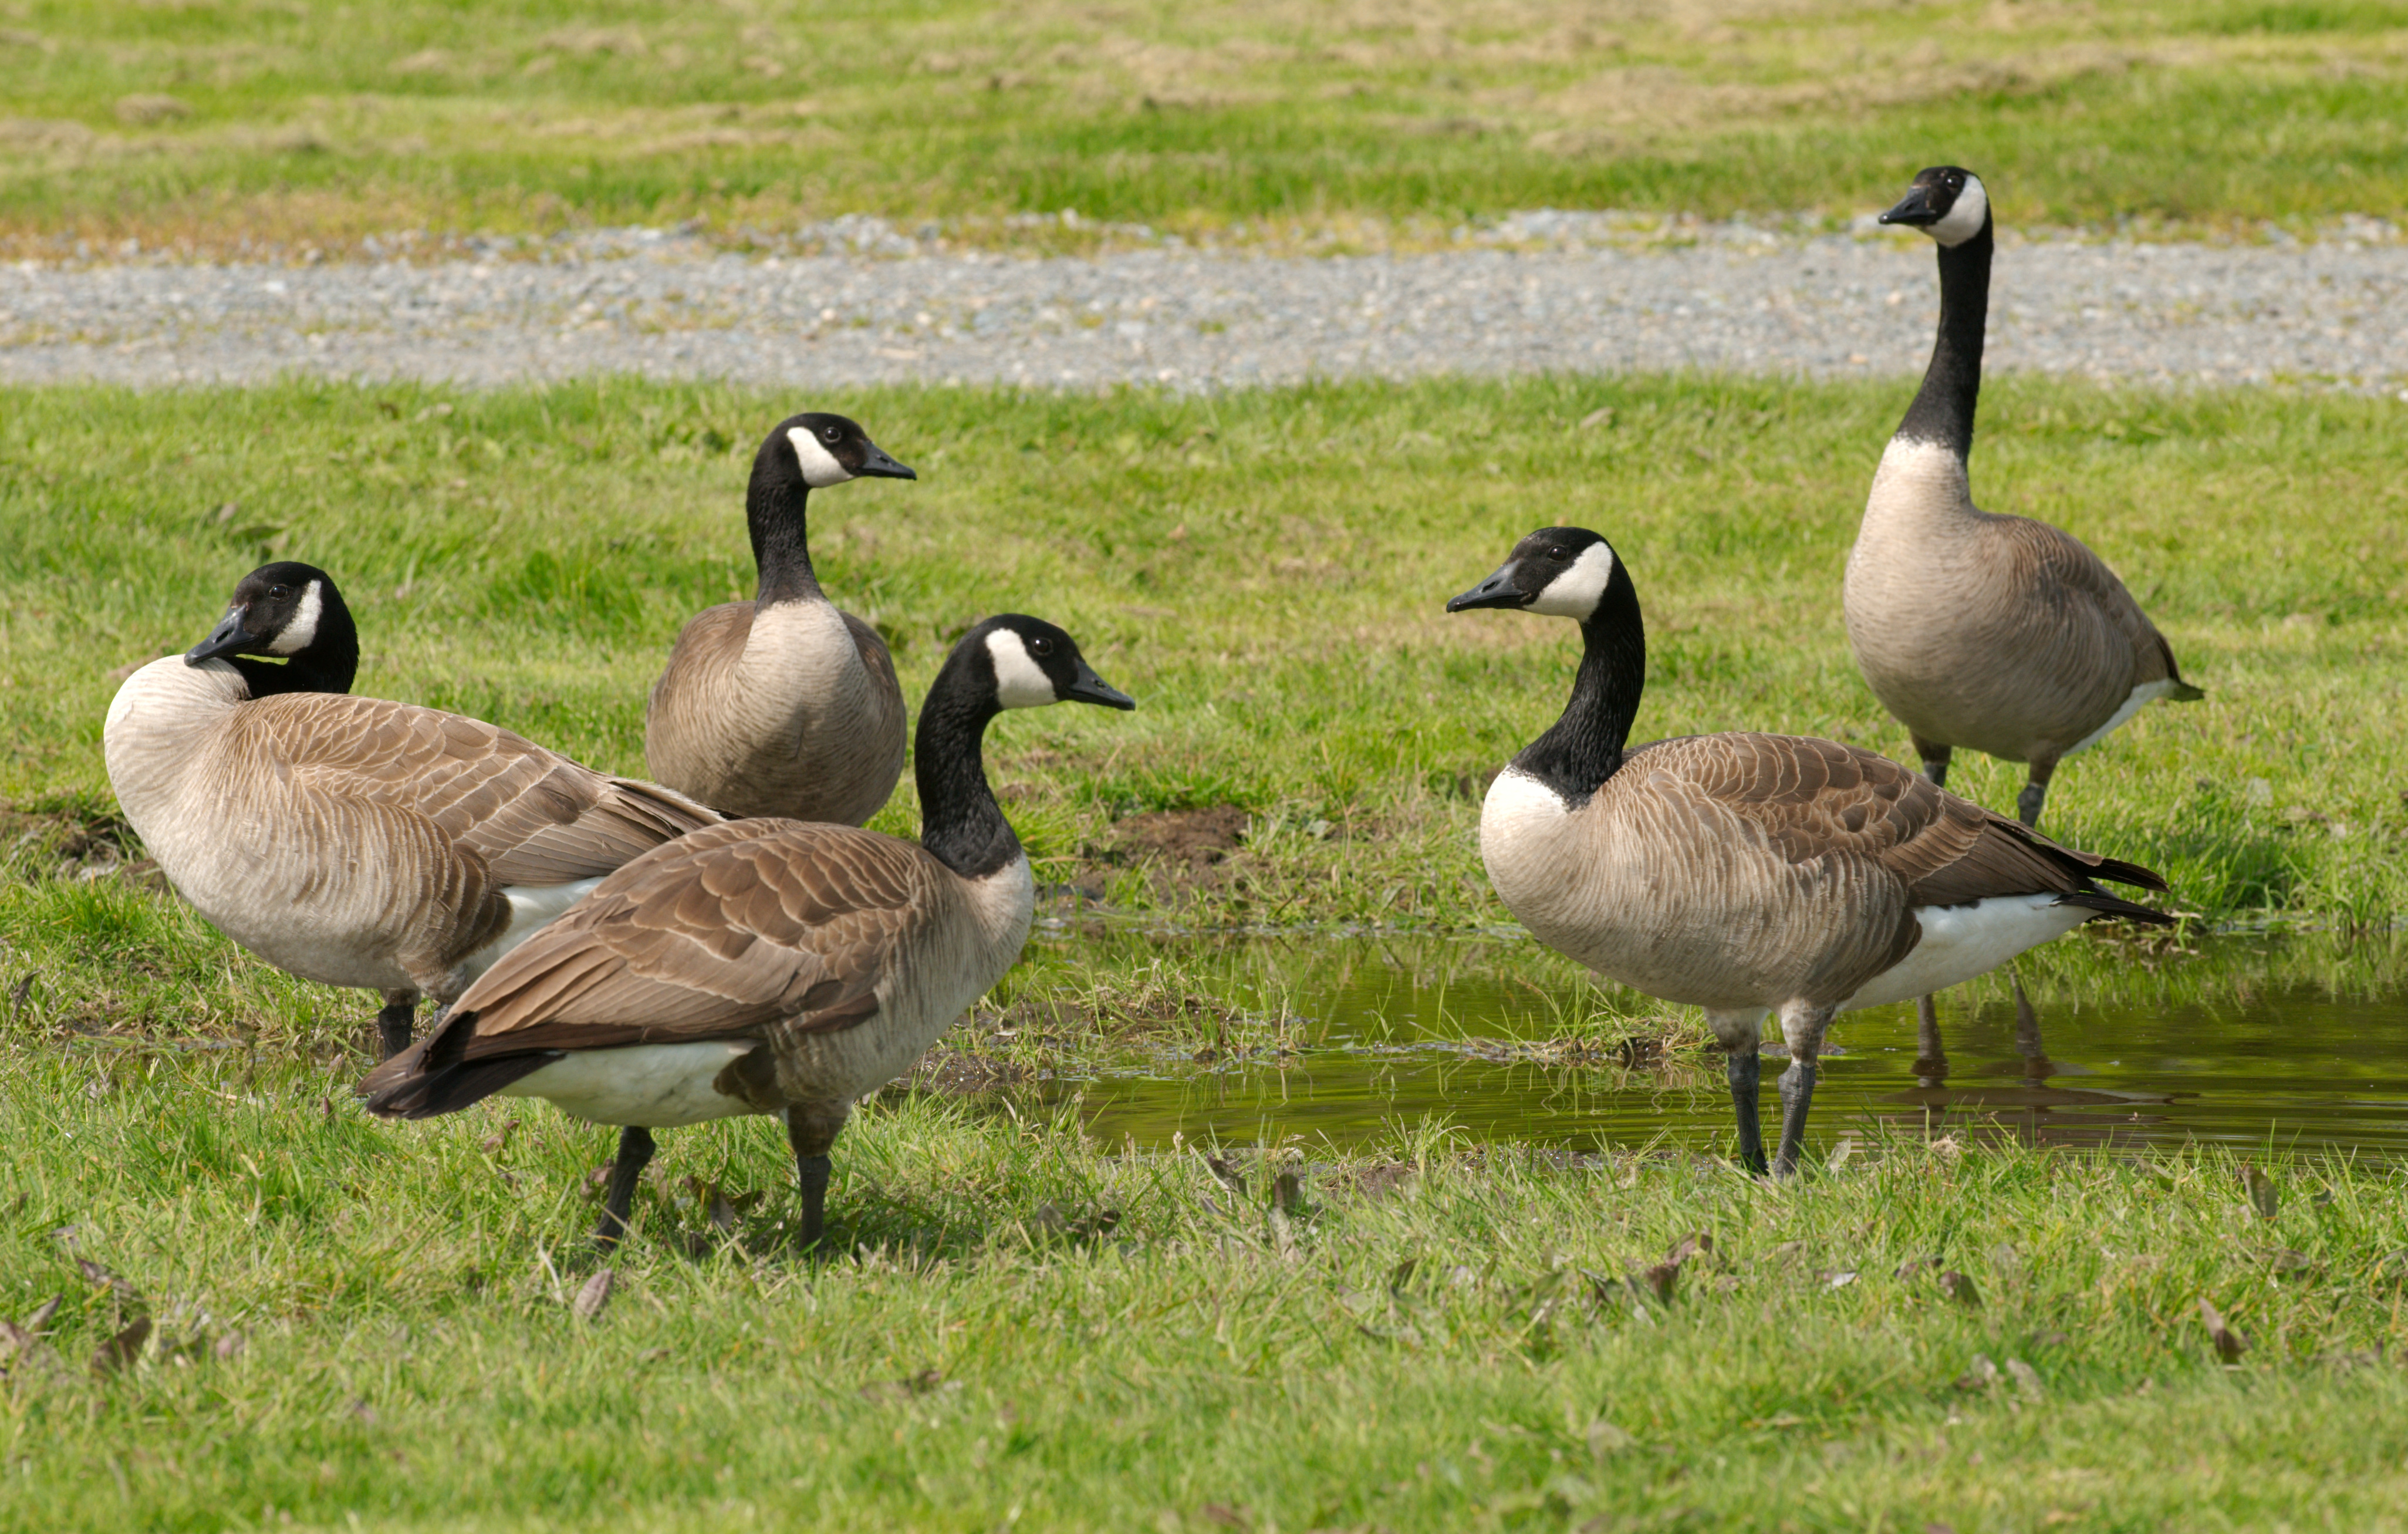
2255 1041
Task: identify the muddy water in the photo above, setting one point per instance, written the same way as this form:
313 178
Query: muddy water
2250 1041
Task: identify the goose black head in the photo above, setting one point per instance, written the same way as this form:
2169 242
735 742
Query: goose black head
278 610
1030 664
822 449
1946 202
1561 571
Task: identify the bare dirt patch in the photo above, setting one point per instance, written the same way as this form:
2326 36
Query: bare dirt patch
1186 842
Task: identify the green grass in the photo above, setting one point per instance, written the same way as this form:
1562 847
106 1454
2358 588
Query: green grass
1116 1340
217 123
1265 572
1028 1328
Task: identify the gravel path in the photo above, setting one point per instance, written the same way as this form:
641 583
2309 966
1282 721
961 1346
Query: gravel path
1735 299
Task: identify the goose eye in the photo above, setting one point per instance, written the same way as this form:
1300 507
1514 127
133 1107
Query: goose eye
831 434
1041 648
277 594
1559 552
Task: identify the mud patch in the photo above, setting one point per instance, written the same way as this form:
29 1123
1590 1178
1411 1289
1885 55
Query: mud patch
1185 843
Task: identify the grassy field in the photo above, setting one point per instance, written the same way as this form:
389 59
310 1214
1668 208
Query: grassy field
1266 573
355 1324
214 125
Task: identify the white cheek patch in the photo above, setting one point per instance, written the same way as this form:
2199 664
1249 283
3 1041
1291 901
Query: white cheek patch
302 631
820 468
1574 594
1965 216
1020 682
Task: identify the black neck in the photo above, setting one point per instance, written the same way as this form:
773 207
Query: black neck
960 822
774 510
328 665
1585 746
1943 411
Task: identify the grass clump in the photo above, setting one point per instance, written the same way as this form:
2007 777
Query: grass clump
218 127
357 1320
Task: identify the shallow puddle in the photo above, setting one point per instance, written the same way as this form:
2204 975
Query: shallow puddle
2299 1042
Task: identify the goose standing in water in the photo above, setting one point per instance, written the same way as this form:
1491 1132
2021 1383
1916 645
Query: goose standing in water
767 966
350 839
784 705
1745 873
1998 634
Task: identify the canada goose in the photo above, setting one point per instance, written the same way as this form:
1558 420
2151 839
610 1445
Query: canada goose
783 705
767 966
350 839
1750 873
1996 633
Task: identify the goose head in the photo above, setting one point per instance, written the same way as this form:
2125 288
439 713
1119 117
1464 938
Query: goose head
1028 663
287 609
1560 571
816 449
1946 202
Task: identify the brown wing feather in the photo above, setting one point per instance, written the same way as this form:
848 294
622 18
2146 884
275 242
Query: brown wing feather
534 816
714 937
2066 567
1820 800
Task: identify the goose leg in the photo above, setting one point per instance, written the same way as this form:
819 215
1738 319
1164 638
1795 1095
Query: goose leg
1931 1059
2035 792
1740 1035
1930 1055
812 1130
1935 759
394 1022
1802 1026
2037 1064
635 1151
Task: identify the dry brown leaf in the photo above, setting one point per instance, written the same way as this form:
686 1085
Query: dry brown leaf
1960 1288
1287 1191
1699 1245
42 1313
592 1300
103 1276
122 1349
1661 1280
1227 1518
230 1346
2264 1197
499 1141
2230 1344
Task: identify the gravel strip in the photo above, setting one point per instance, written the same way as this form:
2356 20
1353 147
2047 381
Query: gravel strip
1833 305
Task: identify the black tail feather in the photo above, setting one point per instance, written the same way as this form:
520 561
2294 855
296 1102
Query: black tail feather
2108 904
2116 871
430 1078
